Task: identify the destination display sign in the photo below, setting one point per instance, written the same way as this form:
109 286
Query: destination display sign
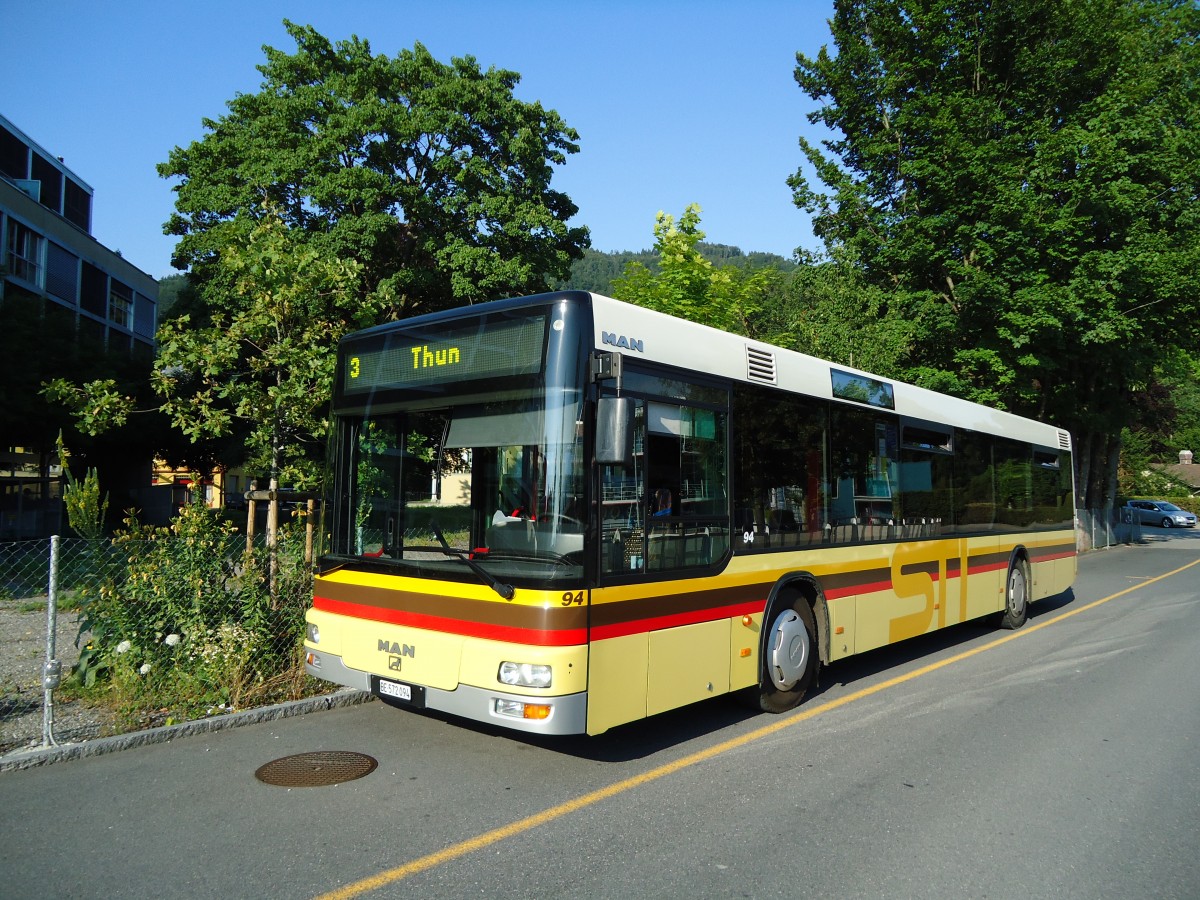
481 350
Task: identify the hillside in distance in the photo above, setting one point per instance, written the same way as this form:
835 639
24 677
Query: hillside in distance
597 270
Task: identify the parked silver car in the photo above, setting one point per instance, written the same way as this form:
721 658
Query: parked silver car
1159 512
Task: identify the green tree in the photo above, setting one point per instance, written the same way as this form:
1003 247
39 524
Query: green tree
260 359
687 285
835 313
1185 428
596 270
1170 402
86 508
1021 179
433 176
265 353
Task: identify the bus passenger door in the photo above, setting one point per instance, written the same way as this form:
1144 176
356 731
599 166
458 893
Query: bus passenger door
664 523
618 652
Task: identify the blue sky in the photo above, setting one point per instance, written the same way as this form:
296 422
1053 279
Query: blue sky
675 102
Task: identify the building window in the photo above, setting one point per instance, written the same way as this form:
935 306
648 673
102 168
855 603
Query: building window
92 335
14 156
77 205
51 179
94 290
143 316
25 252
62 273
120 304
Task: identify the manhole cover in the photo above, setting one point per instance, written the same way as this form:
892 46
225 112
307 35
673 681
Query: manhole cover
316 769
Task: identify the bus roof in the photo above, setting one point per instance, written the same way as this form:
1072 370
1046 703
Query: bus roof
641 333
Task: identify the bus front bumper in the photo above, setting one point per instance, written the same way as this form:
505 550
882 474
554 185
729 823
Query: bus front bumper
567 715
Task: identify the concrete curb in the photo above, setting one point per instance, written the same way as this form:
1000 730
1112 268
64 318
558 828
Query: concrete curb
45 756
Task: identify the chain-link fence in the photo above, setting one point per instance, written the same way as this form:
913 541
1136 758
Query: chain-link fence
1099 529
186 621
152 625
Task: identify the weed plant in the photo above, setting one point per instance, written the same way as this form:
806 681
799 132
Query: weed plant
183 622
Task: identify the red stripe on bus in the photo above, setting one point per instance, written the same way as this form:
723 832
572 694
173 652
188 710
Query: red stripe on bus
1052 556
565 638
694 617
851 589
513 635
874 587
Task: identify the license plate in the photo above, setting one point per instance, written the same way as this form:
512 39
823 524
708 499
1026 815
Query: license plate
398 693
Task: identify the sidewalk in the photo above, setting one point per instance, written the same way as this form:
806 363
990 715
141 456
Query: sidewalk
44 756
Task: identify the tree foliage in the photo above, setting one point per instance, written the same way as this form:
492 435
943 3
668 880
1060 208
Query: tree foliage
86 506
686 284
435 177
1022 179
352 188
598 270
836 313
265 353
260 359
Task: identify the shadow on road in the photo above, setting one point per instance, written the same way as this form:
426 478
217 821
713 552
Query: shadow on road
647 737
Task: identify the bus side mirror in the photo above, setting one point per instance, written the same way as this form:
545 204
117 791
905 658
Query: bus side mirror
614 431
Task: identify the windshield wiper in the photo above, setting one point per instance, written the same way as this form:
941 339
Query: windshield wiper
538 556
504 590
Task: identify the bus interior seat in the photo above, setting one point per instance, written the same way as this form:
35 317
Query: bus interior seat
511 534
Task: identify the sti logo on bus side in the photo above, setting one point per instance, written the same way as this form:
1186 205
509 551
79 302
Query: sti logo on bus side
619 340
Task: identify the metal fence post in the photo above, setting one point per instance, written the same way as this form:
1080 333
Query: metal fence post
52 673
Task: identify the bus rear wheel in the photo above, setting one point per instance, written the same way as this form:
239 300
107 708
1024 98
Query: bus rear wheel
1016 595
791 660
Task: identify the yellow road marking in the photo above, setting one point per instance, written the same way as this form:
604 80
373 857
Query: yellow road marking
496 835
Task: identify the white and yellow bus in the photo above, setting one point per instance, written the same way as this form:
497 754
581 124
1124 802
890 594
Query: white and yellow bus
563 513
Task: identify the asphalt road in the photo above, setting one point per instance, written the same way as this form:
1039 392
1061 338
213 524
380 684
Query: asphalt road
1061 760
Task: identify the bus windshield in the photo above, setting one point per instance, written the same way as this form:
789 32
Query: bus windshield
484 485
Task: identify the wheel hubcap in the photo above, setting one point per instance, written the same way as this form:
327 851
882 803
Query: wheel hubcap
1016 591
789 650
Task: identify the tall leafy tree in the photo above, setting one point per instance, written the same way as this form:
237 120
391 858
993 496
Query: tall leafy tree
351 188
259 362
266 355
835 313
1022 179
688 285
435 177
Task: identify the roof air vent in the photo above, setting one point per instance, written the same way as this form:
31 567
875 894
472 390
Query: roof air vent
760 365
1064 440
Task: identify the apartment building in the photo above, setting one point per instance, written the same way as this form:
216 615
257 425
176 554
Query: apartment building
71 307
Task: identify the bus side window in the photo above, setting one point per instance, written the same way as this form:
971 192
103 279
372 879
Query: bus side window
779 469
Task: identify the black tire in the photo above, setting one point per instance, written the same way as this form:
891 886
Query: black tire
1016 595
791 659
1166 523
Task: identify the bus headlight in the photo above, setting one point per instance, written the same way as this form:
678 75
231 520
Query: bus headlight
524 675
314 633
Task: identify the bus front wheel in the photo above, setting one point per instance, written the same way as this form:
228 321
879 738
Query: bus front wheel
791 659
1016 595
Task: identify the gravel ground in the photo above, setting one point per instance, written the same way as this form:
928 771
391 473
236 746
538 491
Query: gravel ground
22 659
